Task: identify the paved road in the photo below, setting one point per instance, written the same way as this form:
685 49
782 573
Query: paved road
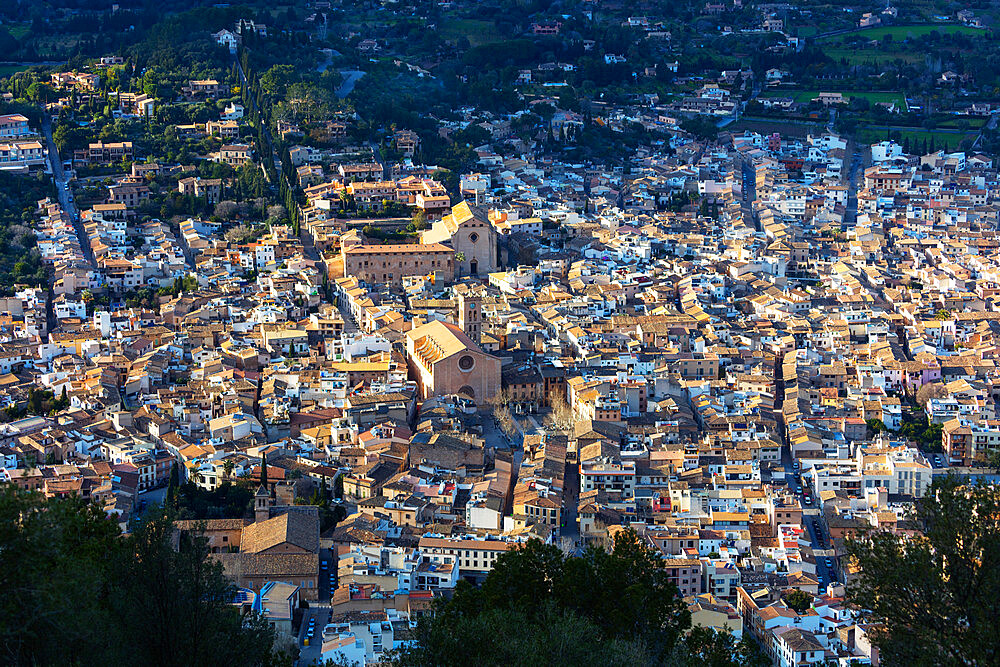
812 522
496 439
811 515
310 655
152 499
991 125
571 500
858 161
327 60
63 190
351 77
749 177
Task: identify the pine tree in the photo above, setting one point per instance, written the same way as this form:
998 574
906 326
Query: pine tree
175 476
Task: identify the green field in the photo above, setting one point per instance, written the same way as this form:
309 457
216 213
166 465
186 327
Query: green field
797 129
862 56
477 32
901 32
945 140
804 96
7 70
18 30
954 123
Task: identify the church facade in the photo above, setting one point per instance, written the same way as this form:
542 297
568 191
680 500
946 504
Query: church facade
469 232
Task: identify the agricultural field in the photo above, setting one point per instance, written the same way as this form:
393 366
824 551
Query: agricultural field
477 32
940 140
793 129
18 30
7 70
962 122
862 56
873 96
902 32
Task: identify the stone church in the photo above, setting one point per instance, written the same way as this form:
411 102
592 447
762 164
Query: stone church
469 232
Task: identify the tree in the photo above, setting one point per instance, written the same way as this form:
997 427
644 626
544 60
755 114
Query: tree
227 210
41 93
561 417
550 636
929 391
420 221
172 485
935 597
992 461
500 402
875 426
506 421
227 468
704 646
51 557
78 592
798 600
622 598
185 596
918 429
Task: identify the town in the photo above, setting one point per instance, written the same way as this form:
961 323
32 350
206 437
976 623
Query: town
369 306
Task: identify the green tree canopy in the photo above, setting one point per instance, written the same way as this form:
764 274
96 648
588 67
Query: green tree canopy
77 592
541 607
935 597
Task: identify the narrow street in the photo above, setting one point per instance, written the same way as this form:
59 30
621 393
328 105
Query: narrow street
310 251
63 190
811 514
859 158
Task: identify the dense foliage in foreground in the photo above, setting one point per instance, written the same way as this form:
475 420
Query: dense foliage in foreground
77 592
540 607
935 597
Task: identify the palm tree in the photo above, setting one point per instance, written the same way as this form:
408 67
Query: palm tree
227 468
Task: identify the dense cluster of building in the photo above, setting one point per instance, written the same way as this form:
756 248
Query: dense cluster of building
717 348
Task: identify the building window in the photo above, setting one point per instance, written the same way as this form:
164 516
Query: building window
466 362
